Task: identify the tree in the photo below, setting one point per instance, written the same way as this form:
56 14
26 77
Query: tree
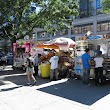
106 6
19 21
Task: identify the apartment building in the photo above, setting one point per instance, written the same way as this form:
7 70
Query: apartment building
91 18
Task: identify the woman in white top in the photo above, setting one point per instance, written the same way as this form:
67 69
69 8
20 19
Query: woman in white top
99 69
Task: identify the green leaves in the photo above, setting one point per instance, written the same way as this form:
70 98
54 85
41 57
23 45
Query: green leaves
52 16
106 6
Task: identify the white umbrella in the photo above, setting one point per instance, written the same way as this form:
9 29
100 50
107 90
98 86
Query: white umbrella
63 42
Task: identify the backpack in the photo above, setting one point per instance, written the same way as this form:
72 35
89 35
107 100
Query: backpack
30 63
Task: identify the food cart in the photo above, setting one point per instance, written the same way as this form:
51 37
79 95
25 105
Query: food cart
61 46
92 44
80 47
105 48
21 50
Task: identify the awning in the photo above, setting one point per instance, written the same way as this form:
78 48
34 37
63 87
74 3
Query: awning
94 37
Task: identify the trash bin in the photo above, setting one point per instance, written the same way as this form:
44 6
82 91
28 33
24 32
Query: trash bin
45 69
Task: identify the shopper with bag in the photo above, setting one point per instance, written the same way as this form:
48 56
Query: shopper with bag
30 70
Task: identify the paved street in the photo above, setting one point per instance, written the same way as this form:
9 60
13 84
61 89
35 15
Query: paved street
45 95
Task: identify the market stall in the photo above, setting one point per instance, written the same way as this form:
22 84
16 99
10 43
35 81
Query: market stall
105 48
21 50
92 44
61 46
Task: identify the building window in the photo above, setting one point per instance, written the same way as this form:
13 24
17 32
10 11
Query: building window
91 4
103 26
72 31
89 27
86 8
57 33
82 29
109 26
98 4
79 30
76 30
98 7
64 32
98 27
91 11
42 34
83 5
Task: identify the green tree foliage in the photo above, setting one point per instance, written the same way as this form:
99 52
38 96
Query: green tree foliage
106 6
53 15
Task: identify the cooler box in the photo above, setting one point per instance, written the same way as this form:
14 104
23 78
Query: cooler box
45 69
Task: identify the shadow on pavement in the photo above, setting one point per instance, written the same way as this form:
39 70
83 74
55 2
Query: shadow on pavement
74 90
18 77
71 89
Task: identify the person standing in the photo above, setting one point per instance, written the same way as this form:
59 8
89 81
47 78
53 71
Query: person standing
30 70
99 69
86 66
3 60
37 61
54 66
97 50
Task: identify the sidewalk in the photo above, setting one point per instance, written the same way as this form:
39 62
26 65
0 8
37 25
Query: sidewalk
13 97
44 95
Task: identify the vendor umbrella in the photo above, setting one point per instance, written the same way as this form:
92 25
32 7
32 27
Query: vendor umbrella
61 43
68 42
61 40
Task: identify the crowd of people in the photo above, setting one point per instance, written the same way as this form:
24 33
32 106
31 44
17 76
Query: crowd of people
33 62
